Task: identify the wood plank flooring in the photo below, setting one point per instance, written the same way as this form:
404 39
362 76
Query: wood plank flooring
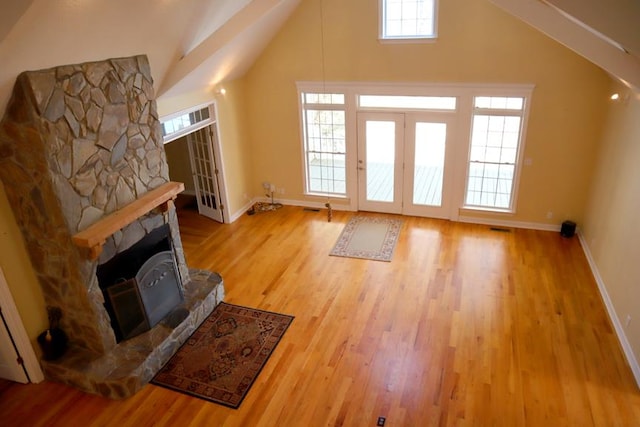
466 327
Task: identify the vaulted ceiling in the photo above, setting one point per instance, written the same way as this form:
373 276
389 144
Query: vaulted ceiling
606 33
195 44
192 45
230 49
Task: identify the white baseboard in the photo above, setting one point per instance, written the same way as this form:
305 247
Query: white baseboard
622 337
343 207
510 224
304 204
286 202
237 214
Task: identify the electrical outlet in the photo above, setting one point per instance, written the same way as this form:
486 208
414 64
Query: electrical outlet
549 215
628 321
281 190
381 421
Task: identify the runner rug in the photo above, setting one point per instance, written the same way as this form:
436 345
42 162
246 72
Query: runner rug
223 357
369 238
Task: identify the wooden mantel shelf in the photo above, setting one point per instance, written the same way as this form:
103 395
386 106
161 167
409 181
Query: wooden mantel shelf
95 236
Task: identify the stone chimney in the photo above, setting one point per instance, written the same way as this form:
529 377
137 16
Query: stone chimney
78 143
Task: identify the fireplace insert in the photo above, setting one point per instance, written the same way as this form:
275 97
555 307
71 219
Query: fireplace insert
141 285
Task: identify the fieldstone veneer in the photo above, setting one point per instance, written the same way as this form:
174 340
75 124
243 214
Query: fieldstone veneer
77 143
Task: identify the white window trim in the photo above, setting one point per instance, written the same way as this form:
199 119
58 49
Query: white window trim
524 92
409 39
465 92
314 87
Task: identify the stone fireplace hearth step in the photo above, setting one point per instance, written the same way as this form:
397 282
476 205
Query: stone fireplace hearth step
133 363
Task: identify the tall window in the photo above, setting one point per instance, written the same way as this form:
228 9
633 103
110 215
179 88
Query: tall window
493 159
323 126
408 19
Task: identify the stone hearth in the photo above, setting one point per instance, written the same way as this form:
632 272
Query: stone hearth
78 143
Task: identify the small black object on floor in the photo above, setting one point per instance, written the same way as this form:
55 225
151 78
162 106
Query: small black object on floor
568 229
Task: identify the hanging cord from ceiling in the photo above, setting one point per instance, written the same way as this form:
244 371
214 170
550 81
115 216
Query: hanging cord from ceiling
322 49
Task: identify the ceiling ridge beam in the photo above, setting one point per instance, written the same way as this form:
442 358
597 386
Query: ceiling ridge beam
579 38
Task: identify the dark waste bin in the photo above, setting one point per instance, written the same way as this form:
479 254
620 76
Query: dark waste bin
568 229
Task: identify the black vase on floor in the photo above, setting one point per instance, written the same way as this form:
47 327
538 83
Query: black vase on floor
53 343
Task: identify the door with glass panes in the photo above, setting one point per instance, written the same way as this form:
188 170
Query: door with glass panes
404 163
205 172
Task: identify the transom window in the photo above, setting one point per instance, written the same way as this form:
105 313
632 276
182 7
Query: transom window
186 122
408 102
323 117
407 19
493 156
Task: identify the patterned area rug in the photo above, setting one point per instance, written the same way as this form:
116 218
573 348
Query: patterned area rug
369 238
223 357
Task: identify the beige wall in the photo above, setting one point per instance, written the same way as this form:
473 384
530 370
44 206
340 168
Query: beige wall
478 43
179 163
611 228
236 152
16 266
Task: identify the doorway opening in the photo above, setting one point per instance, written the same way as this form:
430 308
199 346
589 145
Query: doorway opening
193 150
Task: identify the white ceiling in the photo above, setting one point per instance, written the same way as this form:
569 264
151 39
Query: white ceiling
12 11
228 51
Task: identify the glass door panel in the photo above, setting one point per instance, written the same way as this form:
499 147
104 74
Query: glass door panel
427 164
428 170
380 157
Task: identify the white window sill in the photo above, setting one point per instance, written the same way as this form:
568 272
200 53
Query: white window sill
408 40
487 210
327 195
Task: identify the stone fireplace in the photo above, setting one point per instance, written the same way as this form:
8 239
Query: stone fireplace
83 165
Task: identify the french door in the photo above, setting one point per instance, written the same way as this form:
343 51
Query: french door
205 173
404 163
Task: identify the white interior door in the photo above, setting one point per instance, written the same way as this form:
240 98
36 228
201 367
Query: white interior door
380 161
205 173
10 369
14 342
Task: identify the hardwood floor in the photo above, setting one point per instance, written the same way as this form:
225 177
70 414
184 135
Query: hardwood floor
466 326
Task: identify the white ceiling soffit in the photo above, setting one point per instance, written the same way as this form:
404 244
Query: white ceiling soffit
208 18
602 49
617 20
12 11
231 50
